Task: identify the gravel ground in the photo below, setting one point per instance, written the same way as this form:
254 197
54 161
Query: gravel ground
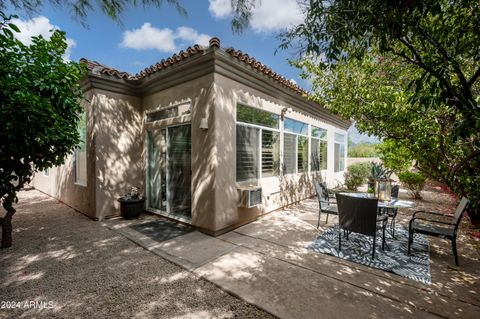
80 269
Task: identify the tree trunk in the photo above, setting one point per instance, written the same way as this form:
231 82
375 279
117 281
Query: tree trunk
6 224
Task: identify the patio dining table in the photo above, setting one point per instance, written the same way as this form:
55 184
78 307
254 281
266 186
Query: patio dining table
393 203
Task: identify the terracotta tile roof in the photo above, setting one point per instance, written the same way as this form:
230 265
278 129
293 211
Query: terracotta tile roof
264 69
165 63
97 68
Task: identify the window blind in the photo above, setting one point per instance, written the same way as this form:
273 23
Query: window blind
247 153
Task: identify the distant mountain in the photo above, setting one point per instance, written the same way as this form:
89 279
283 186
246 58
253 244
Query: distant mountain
356 137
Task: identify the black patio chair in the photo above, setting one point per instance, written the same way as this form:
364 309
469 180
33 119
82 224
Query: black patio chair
392 212
330 196
324 203
359 215
439 228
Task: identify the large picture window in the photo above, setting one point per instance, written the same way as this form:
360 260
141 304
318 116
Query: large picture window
258 144
270 153
289 151
295 147
305 147
302 154
319 149
247 153
339 152
81 152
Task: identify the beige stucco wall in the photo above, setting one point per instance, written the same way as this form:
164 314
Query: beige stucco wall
119 155
277 191
204 150
116 152
60 183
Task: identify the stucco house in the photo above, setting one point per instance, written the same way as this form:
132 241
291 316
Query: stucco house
213 137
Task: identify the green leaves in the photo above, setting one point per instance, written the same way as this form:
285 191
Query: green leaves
39 106
80 8
14 27
389 98
405 71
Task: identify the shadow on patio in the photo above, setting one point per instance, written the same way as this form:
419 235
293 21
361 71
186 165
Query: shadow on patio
88 271
273 269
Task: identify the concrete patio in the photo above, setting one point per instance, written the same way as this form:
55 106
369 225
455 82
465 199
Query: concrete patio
266 263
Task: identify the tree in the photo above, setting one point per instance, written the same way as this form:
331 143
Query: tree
377 92
395 155
80 8
438 41
39 98
439 38
39 108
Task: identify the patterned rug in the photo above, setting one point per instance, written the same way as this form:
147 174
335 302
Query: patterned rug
358 248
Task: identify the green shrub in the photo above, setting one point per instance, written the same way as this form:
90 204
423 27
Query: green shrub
356 175
413 182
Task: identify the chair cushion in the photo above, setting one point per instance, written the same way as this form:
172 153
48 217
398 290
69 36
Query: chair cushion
433 230
331 209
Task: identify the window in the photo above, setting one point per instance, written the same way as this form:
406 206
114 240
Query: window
169 112
270 153
319 149
339 152
247 153
297 127
46 172
247 114
295 147
258 144
289 147
81 152
302 154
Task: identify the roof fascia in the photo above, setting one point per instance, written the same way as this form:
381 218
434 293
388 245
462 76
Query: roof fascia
238 71
189 69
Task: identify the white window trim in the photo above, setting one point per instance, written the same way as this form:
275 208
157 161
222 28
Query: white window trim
281 130
260 164
261 128
77 182
75 152
344 134
296 146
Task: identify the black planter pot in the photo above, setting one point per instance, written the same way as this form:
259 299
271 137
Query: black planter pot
131 207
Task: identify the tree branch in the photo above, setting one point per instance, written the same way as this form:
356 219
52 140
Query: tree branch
464 161
446 56
419 62
474 78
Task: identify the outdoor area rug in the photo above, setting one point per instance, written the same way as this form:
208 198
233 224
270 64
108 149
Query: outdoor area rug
358 248
161 230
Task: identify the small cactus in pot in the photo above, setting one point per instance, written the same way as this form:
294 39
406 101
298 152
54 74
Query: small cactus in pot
377 174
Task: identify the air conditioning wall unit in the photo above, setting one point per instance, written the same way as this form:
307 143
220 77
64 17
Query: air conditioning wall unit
249 197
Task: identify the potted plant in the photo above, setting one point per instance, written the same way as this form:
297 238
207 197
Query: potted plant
379 182
132 203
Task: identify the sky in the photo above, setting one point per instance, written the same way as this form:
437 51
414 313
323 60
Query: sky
147 35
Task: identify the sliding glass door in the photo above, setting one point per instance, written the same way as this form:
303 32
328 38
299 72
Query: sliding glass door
169 170
179 170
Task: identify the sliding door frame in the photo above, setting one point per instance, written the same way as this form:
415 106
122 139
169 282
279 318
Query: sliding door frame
167 212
